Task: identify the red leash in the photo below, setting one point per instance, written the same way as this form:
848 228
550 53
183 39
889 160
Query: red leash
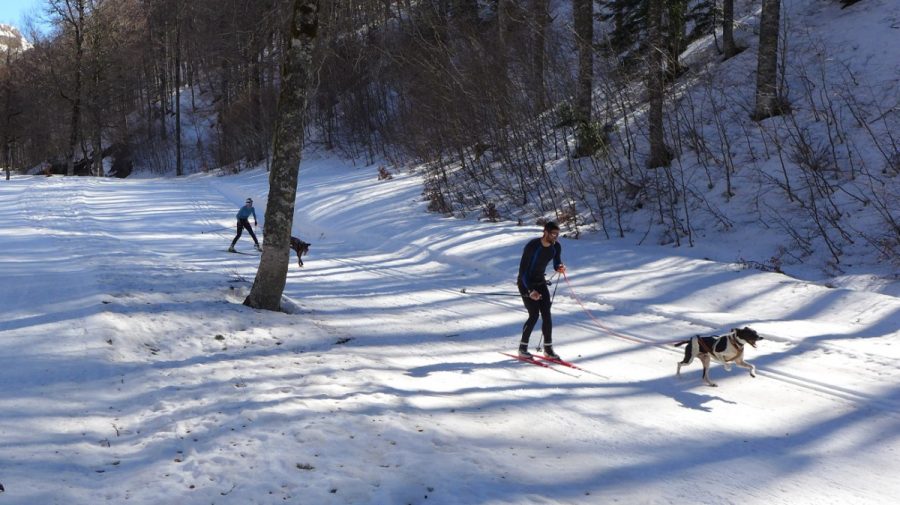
606 329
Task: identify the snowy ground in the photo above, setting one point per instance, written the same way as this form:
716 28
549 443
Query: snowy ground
131 373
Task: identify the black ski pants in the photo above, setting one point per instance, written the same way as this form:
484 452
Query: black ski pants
537 308
241 224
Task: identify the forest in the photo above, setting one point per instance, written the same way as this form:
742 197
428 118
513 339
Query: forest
643 118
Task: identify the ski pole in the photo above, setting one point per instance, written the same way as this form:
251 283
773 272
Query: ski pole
216 229
486 293
555 285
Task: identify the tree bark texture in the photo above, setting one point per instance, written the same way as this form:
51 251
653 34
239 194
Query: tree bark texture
728 45
77 22
541 20
675 22
179 169
767 62
287 147
6 133
660 155
584 38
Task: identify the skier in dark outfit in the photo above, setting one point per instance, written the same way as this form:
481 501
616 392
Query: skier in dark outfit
243 221
533 286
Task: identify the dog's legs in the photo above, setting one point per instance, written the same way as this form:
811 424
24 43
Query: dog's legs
688 358
704 358
743 364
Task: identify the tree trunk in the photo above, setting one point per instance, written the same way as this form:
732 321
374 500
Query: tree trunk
6 131
97 148
6 156
584 38
287 150
728 29
256 109
541 19
163 85
675 14
503 85
767 62
179 169
660 155
96 121
78 30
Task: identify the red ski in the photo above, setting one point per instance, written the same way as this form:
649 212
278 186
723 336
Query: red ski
534 361
544 359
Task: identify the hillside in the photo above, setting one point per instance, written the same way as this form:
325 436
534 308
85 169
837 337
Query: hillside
825 177
11 39
428 89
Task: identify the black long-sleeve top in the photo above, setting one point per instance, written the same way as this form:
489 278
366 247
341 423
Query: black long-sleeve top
534 262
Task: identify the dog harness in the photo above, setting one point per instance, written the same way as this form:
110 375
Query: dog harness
721 346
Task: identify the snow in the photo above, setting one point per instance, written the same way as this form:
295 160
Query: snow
132 373
12 38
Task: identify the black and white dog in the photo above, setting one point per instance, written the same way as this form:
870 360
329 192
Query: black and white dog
725 349
300 247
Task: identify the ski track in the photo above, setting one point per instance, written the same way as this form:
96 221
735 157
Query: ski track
691 323
773 373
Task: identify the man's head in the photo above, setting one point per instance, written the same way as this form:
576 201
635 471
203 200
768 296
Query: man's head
249 202
551 232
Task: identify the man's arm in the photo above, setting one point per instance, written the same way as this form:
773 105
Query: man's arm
525 264
557 259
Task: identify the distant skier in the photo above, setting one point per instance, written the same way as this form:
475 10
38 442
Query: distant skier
533 286
243 221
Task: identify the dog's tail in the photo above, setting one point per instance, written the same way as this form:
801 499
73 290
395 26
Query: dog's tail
679 344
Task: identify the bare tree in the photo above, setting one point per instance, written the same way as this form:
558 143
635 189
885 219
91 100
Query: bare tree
583 11
767 101
7 103
71 14
540 19
101 36
660 155
297 71
179 169
502 27
674 23
728 45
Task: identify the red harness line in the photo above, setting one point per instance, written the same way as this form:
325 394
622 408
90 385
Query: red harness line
608 330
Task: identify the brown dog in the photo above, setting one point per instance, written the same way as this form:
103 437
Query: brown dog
300 247
725 349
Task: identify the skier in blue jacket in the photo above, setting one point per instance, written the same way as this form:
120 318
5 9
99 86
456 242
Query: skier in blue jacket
533 286
243 221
